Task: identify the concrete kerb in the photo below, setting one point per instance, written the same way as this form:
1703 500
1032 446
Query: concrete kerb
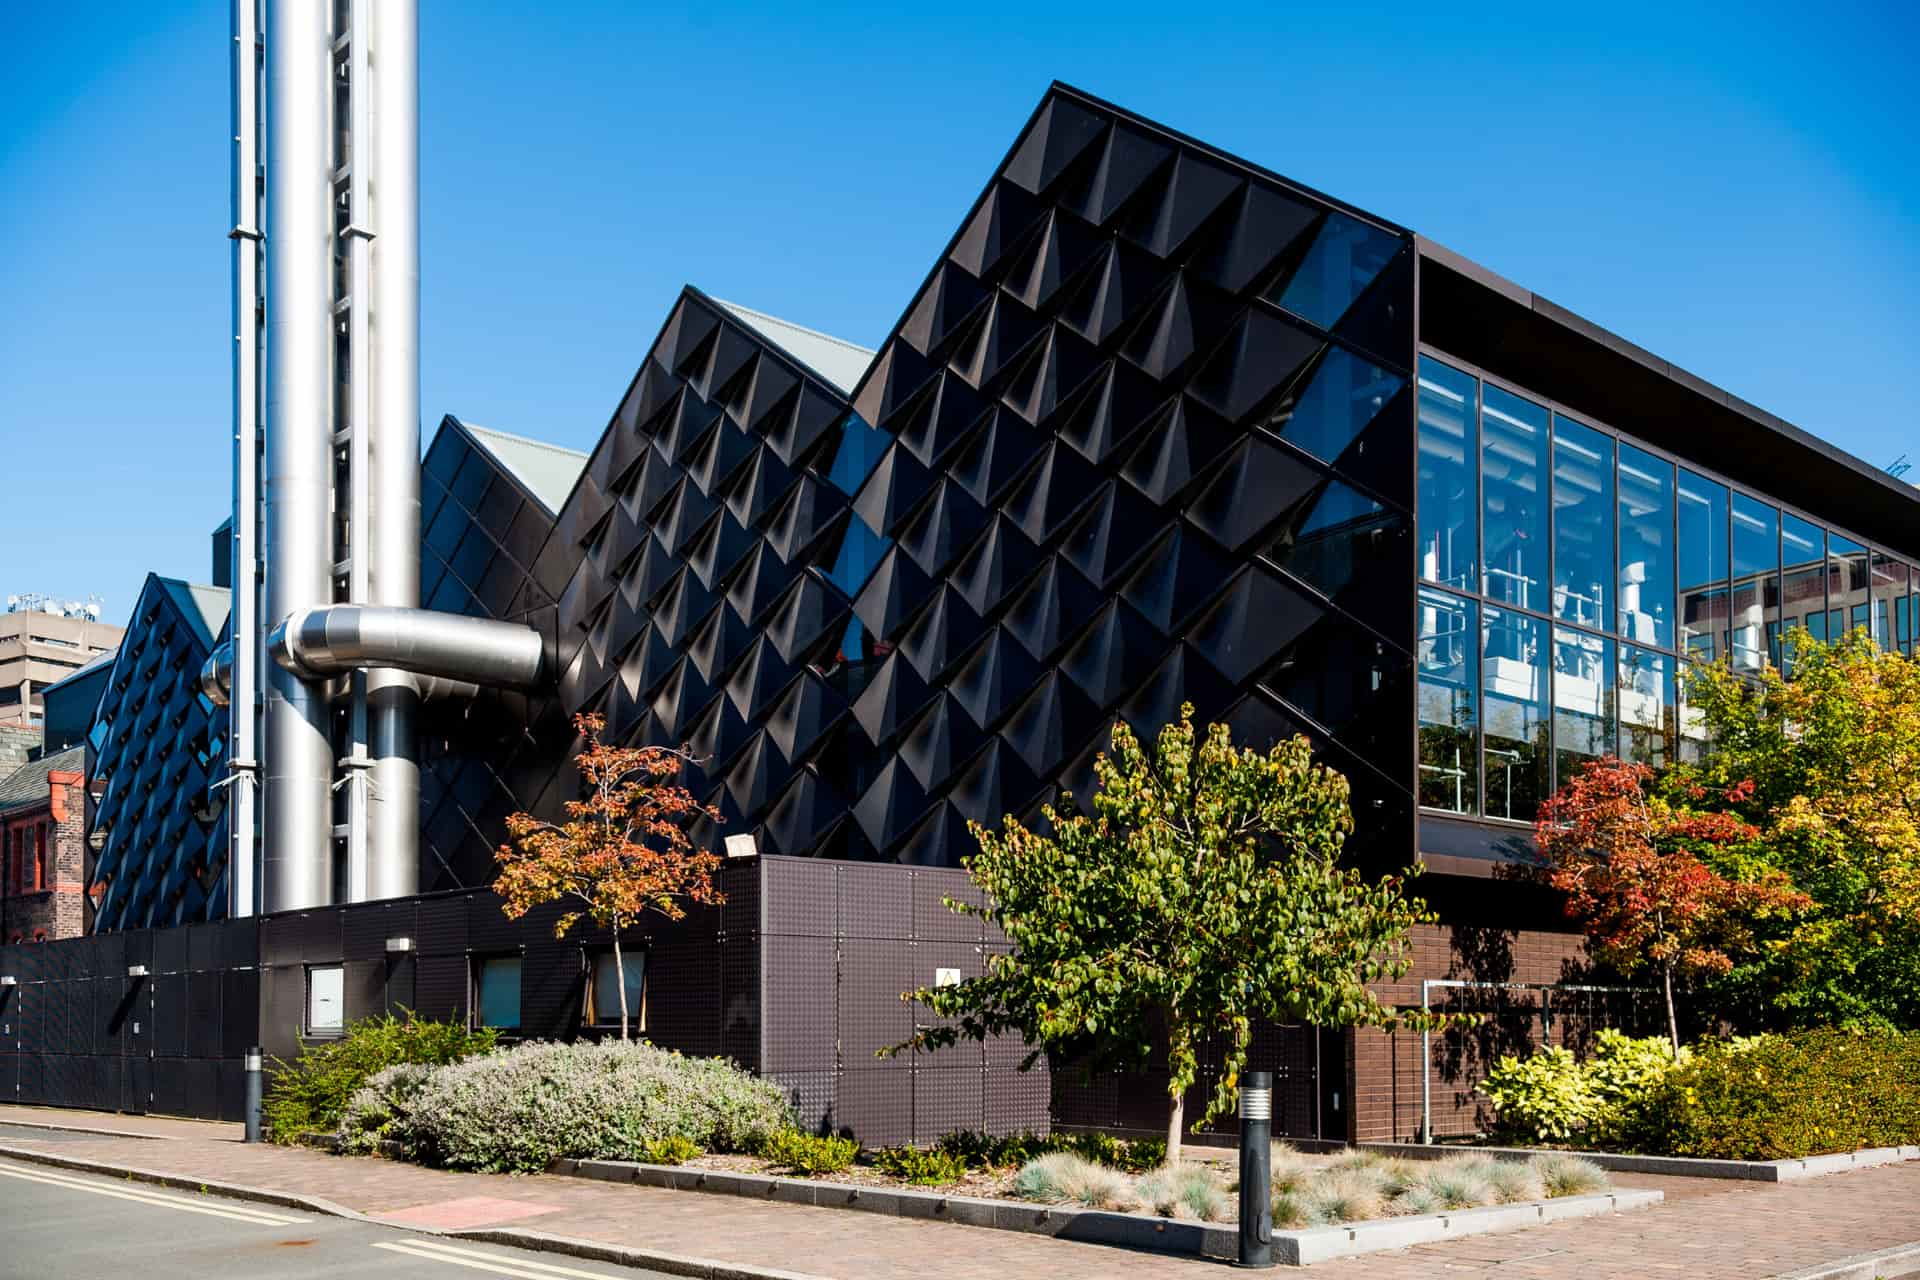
538 1241
1099 1226
1901 1260
1674 1166
87 1129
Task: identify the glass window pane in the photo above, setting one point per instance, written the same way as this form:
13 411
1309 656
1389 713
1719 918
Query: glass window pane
1646 548
606 986
1345 258
1449 686
1348 546
497 998
1340 400
1582 701
1514 670
1647 723
1703 567
326 998
1890 584
1756 584
1803 584
1846 587
1695 741
1513 448
1582 524
1449 444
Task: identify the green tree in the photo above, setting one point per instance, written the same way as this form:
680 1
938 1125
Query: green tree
1204 892
1826 765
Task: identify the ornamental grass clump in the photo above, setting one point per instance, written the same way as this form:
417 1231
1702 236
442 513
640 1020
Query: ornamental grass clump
1344 1195
521 1110
1418 1198
1290 1212
1188 1191
1290 1169
1461 1183
1061 1177
1565 1175
1515 1181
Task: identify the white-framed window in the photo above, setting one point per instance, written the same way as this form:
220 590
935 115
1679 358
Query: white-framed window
496 992
603 988
326 999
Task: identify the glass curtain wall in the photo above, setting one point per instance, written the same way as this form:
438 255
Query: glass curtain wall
1571 578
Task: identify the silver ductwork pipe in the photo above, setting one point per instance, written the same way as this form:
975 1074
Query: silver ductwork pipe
393 864
318 644
218 672
298 866
216 675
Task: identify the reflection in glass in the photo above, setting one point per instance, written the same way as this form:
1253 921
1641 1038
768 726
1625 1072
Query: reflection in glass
1513 448
1756 584
497 992
1582 523
1514 677
1803 585
1448 686
1345 544
1449 409
1890 585
1694 738
1339 400
1703 567
1646 548
1582 701
1346 257
1646 706
1846 587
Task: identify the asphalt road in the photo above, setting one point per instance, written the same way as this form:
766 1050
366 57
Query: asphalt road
60 1225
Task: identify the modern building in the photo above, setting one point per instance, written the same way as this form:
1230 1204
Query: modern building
42 641
1159 426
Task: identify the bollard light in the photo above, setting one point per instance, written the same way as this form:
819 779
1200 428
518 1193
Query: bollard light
254 1066
1256 1169
399 946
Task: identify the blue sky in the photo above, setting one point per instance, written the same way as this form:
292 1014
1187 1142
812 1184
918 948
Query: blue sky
1741 198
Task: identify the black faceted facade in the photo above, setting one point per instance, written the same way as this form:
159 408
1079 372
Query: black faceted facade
156 745
1142 437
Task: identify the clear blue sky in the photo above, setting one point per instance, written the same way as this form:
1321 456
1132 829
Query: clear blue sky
1740 195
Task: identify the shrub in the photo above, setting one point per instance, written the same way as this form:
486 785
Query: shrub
309 1094
1188 1191
379 1108
925 1167
1011 1151
809 1154
1060 1177
1785 1096
672 1149
1565 1175
1552 1097
520 1110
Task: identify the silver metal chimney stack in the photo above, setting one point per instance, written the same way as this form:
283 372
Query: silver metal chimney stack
298 862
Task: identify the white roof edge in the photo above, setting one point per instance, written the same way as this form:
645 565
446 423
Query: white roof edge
840 362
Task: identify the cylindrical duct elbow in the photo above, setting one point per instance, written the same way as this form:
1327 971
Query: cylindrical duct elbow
216 675
316 643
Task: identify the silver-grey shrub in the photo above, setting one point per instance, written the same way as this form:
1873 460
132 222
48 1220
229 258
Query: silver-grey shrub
380 1108
542 1101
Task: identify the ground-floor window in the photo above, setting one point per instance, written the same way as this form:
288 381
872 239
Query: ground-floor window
604 992
496 992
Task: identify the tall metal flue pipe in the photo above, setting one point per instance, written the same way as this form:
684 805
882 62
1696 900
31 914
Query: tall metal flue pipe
392 699
298 862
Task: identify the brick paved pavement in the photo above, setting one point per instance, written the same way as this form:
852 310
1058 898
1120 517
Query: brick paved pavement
1707 1231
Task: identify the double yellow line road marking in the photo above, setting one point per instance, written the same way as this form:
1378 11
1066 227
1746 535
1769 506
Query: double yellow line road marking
140 1195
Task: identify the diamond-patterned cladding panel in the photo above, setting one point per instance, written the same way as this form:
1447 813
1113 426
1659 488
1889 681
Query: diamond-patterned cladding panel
1142 437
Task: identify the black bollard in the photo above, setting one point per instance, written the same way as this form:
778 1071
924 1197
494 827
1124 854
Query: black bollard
253 1094
1256 1169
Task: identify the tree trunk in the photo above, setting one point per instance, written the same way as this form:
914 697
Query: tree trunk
1673 1022
1176 1124
620 977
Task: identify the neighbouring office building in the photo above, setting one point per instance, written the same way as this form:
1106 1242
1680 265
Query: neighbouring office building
1159 426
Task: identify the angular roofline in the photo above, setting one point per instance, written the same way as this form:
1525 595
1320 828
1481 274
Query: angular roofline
1581 327
467 430
753 317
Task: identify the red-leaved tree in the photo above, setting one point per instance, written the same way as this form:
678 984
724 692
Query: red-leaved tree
1630 863
623 850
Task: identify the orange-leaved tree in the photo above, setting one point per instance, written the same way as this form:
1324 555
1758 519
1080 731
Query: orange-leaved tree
622 851
1630 864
